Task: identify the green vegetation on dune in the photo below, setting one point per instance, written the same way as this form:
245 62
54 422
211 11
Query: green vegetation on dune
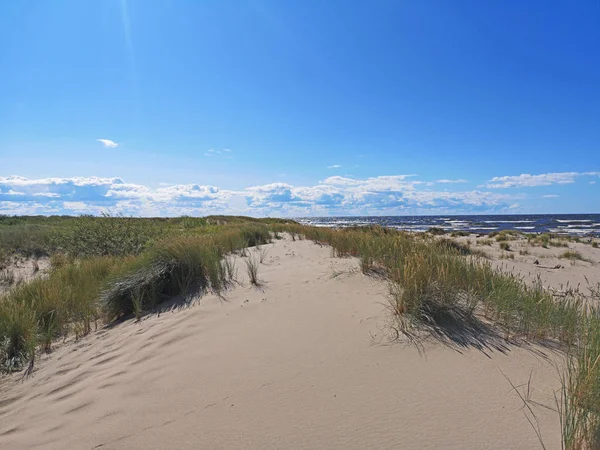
86 236
434 285
580 406
109 268
176 265
573 255
104 268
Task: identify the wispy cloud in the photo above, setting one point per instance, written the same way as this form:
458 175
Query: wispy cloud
108 143
334 166
214 152
451 181
544 179
550 196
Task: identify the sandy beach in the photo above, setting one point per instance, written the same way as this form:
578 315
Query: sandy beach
306 361
260 225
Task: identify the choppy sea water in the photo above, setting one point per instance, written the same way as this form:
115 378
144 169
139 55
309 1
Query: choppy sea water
573 224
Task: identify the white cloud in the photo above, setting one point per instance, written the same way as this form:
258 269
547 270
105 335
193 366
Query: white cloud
76 181
29 208
528 180
334 166
79 207
108 143
550 196
592 182
451 181
46 194
213 152
387 195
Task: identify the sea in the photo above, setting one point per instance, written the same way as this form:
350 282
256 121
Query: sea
571 224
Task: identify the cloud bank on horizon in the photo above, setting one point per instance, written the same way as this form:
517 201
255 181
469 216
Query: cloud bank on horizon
335 195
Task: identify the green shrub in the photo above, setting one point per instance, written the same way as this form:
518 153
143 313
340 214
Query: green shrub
460 233
26 240
572 254
436 231
87 236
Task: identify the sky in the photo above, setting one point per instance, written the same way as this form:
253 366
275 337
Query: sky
311 108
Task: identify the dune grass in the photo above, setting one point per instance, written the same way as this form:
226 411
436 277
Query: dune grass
177 265
547 240
106 284
45 309
252 265
431 281
437 275
25 240
573 255
505 235
580 399
436 231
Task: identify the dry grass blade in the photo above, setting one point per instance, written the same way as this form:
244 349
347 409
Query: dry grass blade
252 270
262 254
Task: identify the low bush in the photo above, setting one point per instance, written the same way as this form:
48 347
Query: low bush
573 255
460 233
436 231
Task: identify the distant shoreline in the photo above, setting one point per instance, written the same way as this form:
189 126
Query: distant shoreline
581 225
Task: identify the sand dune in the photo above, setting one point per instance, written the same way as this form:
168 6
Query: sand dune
304 363
555 272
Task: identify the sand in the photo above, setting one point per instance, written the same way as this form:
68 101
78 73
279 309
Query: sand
306 362
576 274
18 270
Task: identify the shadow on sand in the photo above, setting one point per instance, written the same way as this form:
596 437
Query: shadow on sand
461 331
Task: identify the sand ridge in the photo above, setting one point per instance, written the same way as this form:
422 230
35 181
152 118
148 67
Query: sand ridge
302 363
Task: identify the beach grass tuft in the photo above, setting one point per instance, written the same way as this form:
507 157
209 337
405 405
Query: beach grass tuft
252 265
572 254
95 282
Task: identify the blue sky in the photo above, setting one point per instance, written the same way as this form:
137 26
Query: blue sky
287 108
